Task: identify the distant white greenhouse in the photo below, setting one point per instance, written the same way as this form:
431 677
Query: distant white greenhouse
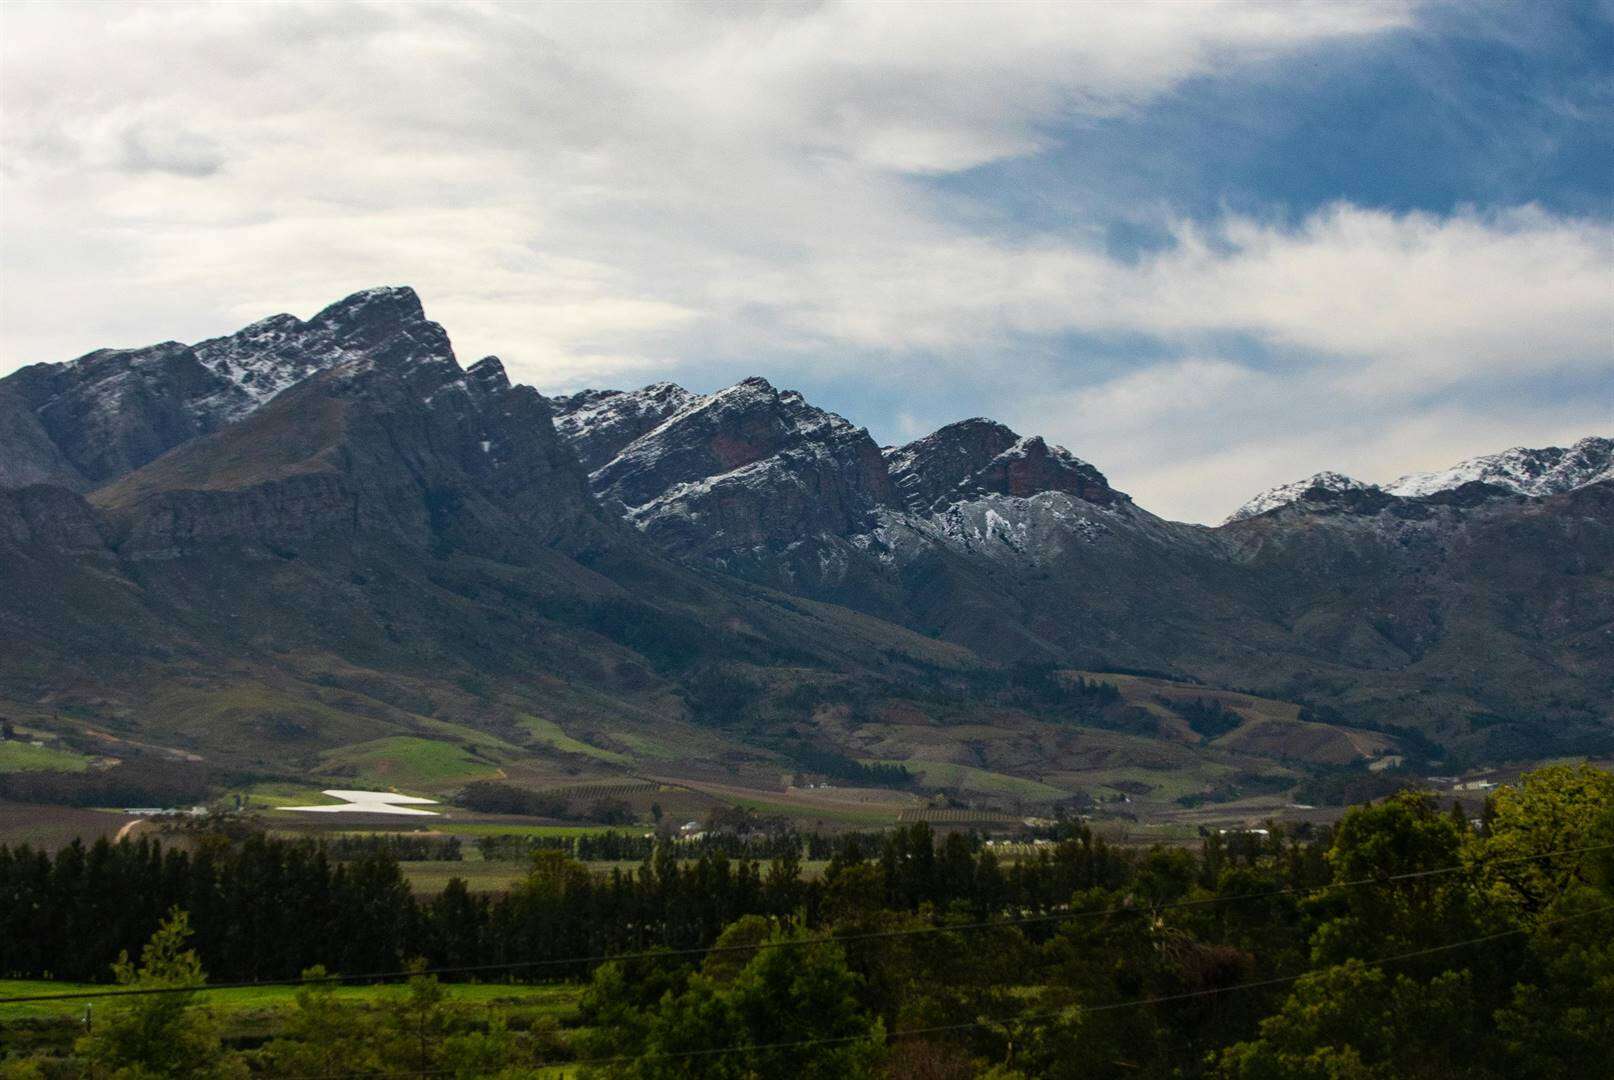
370 802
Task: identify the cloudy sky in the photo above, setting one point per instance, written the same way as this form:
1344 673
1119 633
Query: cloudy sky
1210 247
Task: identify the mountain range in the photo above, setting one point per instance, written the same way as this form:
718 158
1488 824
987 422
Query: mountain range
309 535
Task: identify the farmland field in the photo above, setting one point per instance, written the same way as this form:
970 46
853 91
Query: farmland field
18 756
811 805
52 827
517 828
947 774
958 817
603 789
409 762
430 876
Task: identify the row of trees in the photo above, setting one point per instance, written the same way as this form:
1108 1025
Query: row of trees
612 846
267 908
492 797
1406 944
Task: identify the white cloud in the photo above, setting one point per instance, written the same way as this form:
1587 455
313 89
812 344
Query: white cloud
620 197
686 151
1194 438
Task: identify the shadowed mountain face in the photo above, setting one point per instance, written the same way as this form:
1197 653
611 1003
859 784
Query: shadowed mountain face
337 507
980 457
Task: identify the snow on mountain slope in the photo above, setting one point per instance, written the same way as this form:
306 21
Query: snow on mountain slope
750 474
747 468
1317 485
980 457
1550 470
259 362
113 410
1546 471
598 424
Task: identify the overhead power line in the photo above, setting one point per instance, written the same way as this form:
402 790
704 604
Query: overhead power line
842 939
1043 1014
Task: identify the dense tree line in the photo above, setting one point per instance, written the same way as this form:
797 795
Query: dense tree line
493 797
838 766
613 846
1402 944
1207 719
267 908
403 847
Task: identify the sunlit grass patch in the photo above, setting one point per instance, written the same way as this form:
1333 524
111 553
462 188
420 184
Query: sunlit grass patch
18 756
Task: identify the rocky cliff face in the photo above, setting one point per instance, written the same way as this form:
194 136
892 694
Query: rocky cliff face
111 411
972 458
746 471
756 478
974 533
389 436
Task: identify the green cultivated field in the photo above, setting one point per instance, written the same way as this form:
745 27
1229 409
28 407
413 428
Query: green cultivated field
405 761
24 757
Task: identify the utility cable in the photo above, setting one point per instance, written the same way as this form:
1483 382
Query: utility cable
935 1029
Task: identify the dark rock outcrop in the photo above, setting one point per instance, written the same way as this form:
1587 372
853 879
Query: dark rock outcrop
979 457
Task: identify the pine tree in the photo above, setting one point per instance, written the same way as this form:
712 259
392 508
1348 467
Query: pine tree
160 1034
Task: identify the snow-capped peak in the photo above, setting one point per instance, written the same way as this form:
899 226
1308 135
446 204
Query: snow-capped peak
1318 484
1549 470
1522 470
258 362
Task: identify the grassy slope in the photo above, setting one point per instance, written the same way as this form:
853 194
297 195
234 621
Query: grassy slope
550 734
1272 728
404 761
24 757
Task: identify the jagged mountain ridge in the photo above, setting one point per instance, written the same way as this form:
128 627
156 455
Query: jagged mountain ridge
400 503
1546 471
979 457
944 535
1521 471
90 420
697 461
996 541
1319 487
334 565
